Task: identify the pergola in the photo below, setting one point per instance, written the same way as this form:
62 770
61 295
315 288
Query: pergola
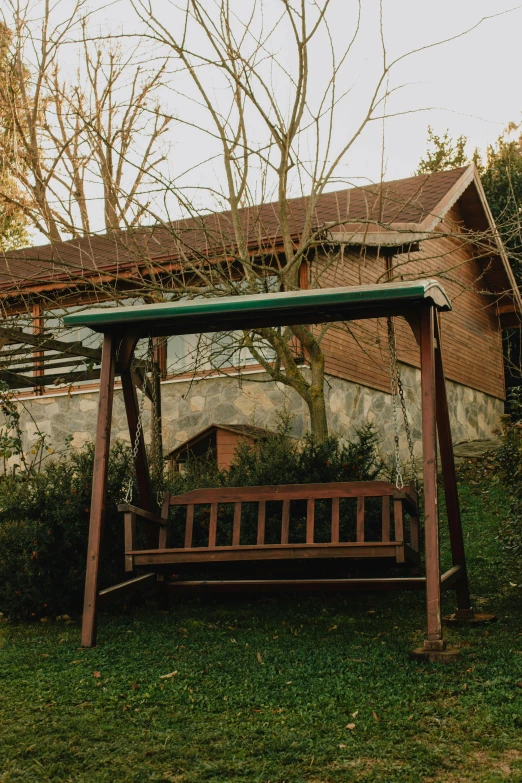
419 302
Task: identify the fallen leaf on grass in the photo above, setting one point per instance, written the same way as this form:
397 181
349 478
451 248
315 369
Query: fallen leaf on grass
259 657
519 684
136 686
167 676
376 717
355 714
350 726
342 746
333 628
96 675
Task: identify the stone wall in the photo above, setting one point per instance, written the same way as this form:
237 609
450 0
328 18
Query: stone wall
189 407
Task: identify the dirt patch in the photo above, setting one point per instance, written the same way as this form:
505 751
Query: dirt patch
481 765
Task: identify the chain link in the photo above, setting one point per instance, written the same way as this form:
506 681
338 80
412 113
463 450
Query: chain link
397 390
139 423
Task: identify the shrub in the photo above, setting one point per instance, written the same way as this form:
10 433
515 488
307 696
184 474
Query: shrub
278 458
510 463
44 520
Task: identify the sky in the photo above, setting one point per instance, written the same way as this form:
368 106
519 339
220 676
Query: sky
468 85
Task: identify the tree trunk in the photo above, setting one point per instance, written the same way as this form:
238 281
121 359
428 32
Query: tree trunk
318 419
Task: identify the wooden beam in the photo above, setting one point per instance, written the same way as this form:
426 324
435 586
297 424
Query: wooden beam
451 492
50 344
434 639
297 585
99 492
138 584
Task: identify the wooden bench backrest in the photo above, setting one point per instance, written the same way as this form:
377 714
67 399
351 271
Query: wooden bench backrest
288 492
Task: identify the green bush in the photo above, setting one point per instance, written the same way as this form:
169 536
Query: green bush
280 459
510 462
44 520
44 516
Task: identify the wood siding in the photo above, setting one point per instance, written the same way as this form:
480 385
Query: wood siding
471 336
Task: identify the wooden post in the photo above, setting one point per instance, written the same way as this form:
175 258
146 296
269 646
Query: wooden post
99 492
450 481
434 640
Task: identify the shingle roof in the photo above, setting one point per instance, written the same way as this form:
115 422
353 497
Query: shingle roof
405 201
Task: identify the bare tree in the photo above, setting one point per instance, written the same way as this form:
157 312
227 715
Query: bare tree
267 123
81 140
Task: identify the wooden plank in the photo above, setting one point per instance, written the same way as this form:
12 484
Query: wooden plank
99 492
285 522
129 532
452 578
140 512
297 585
360 519
189 526
398 521
447 458
212 530
310 520
138 584
49 344
375 549
341 489
385 519
429 449
261 521
236 532
335 521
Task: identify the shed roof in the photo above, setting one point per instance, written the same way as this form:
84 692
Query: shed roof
245 430
221 314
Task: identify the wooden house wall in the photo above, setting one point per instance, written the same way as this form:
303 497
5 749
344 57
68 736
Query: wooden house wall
471 336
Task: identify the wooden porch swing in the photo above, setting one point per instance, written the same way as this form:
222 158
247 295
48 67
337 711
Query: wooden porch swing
419 303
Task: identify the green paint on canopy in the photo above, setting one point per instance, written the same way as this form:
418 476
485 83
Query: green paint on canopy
221 314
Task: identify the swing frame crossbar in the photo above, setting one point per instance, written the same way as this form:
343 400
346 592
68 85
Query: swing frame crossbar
419 302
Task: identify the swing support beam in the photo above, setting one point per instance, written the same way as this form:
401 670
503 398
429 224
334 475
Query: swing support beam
418 302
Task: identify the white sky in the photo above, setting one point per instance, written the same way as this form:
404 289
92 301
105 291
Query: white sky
469 85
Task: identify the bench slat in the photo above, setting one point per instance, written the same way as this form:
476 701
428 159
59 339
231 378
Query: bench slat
360 519
261 517
385 518
335 520
189 526
212 530
285 522
399 524
236 532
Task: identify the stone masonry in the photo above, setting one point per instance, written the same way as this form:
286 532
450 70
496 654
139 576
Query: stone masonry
189 407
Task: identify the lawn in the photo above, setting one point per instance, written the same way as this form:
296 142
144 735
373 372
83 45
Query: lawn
264 690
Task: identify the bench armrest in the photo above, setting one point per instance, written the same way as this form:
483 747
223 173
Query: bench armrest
148 515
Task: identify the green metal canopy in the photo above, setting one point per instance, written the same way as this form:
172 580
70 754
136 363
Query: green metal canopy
222 314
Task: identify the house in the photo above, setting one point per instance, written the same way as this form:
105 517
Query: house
218 441
436 225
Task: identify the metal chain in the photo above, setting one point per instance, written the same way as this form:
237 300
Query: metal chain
398 391
399 481
139 428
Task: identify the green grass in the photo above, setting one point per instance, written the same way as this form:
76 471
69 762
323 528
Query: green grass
265 688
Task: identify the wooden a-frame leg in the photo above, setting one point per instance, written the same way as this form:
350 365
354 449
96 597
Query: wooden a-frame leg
450 483
99 492
434 640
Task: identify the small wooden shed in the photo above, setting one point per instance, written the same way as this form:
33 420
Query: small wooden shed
217 440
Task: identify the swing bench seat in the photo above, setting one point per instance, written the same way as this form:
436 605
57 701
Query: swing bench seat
212 503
